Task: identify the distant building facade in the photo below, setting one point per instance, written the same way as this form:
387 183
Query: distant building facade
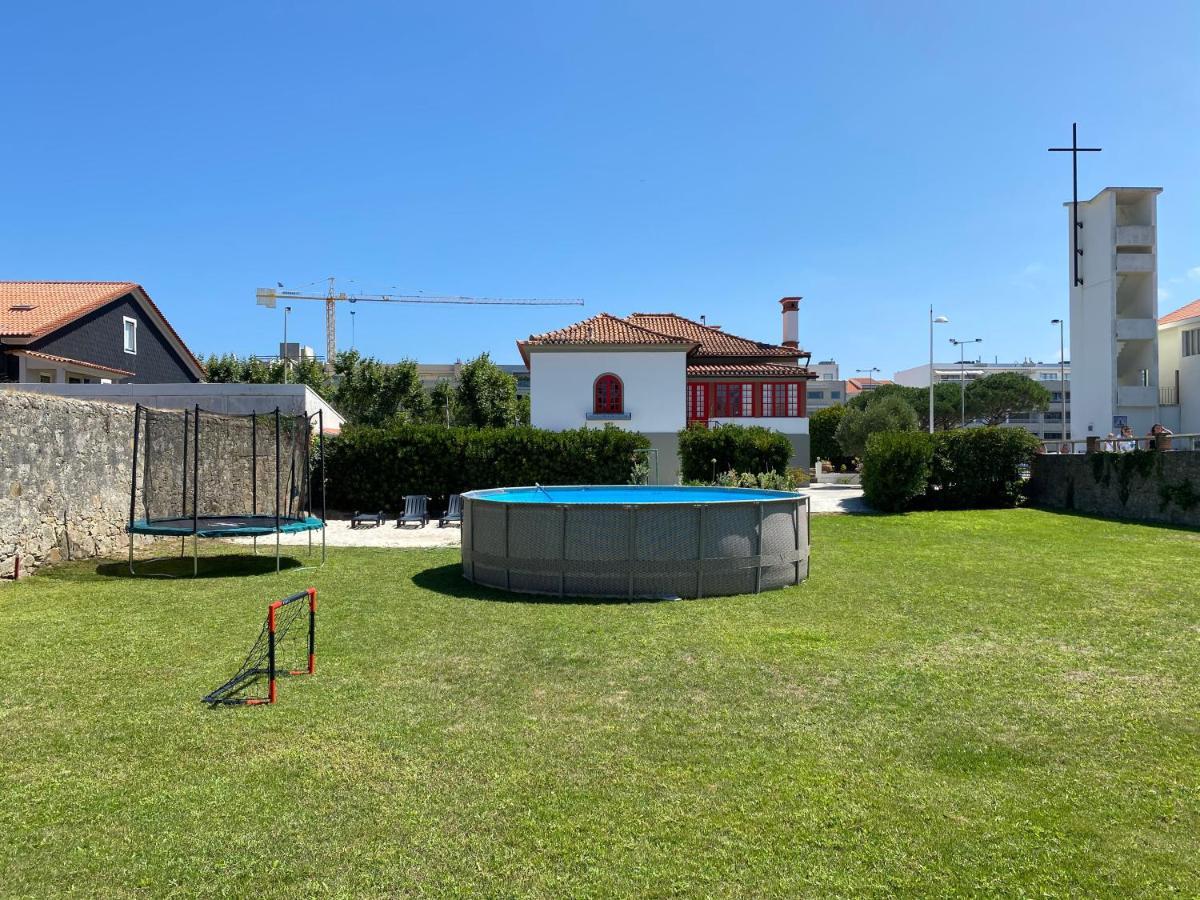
1047 425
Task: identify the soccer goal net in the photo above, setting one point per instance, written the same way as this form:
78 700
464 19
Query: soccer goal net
286 646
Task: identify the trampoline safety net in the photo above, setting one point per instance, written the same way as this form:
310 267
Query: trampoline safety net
208 465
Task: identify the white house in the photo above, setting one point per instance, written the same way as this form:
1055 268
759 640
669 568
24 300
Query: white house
1179 369
656 372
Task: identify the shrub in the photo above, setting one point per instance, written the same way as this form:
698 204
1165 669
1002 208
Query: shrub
767 481
979 467
822 432
885 414
373 468
754 449
896 468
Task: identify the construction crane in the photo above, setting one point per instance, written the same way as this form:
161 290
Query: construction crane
269 296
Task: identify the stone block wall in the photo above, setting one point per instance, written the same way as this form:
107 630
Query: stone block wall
64 479
1143 485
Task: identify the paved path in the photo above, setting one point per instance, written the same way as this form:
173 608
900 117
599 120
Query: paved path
825 498
836 498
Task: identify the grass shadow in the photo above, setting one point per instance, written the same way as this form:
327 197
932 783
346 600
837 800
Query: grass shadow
449 581
1116 520
229 565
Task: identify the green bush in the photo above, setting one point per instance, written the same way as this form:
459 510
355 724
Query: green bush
767 481
896 467
744 449
965 469
979 467
822 432
373 468
885 414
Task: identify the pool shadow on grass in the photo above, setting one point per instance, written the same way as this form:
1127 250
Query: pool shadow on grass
231 565
449 581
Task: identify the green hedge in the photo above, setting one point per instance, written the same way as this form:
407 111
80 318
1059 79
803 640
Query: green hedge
895 468
373 468
822 433
963 469
979 467
751 449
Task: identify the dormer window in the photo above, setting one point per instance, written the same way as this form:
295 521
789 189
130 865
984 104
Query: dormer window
129 327
609 395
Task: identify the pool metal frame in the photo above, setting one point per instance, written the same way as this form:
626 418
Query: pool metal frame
636 550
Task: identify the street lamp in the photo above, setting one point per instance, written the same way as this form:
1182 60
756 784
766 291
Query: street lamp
962 374
939 320
286 311
868 371
352 332
1062 378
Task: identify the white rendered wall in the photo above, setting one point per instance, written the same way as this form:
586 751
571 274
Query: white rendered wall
1170 359
561 384
783 424
1093 315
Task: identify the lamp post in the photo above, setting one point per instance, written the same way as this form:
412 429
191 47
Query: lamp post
962 375
284 354
939 320
353 339
1062 378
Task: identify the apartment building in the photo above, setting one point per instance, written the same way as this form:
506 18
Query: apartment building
1047 425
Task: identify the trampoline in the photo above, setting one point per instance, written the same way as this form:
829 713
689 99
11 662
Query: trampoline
203 474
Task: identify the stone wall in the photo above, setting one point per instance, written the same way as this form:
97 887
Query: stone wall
1143 485
64 479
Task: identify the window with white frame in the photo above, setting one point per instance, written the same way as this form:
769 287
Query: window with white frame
129 332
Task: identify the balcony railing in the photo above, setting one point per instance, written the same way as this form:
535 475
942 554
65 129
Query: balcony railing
1168 396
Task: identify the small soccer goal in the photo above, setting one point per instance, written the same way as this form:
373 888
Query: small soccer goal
286 646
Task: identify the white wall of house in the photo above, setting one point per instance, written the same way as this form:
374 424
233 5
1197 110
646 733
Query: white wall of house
562 382
1172 360
782 424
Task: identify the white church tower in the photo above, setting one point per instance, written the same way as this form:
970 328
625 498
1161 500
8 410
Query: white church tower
1114 312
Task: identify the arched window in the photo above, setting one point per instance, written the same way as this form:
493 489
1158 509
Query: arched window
608 395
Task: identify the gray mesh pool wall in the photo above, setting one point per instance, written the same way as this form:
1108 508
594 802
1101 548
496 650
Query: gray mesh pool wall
630 550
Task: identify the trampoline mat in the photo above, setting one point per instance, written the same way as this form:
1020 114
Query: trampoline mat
221 526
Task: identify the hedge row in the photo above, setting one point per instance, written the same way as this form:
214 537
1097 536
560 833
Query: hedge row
751 449
373 468
963 469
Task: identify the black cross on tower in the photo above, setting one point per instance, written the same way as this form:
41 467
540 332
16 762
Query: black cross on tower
1075 150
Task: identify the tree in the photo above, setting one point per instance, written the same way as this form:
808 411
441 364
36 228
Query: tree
892 413
443 404
822 430
994 398
487 395
373 393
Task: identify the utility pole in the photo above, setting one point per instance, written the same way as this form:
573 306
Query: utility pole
962 375
939 320
1062 378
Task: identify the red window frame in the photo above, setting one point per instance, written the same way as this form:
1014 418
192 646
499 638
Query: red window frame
608 395
767 399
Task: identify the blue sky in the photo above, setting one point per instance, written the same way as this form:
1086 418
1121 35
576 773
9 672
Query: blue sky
700 158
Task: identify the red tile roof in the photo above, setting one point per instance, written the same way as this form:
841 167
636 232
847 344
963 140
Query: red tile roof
1184 312
33 309
748 370
67 361
858 385
603 330
713 341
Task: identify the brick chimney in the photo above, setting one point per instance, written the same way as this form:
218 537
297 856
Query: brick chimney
791 321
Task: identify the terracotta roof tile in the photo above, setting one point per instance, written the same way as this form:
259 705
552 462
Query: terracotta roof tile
713 341
606 329
749 370
1184 312
33 309
66 360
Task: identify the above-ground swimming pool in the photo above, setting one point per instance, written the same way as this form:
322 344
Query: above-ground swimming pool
630 541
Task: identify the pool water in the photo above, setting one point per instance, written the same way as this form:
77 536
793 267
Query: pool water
629 494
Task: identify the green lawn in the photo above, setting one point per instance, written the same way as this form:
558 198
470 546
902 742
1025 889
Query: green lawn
985 703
